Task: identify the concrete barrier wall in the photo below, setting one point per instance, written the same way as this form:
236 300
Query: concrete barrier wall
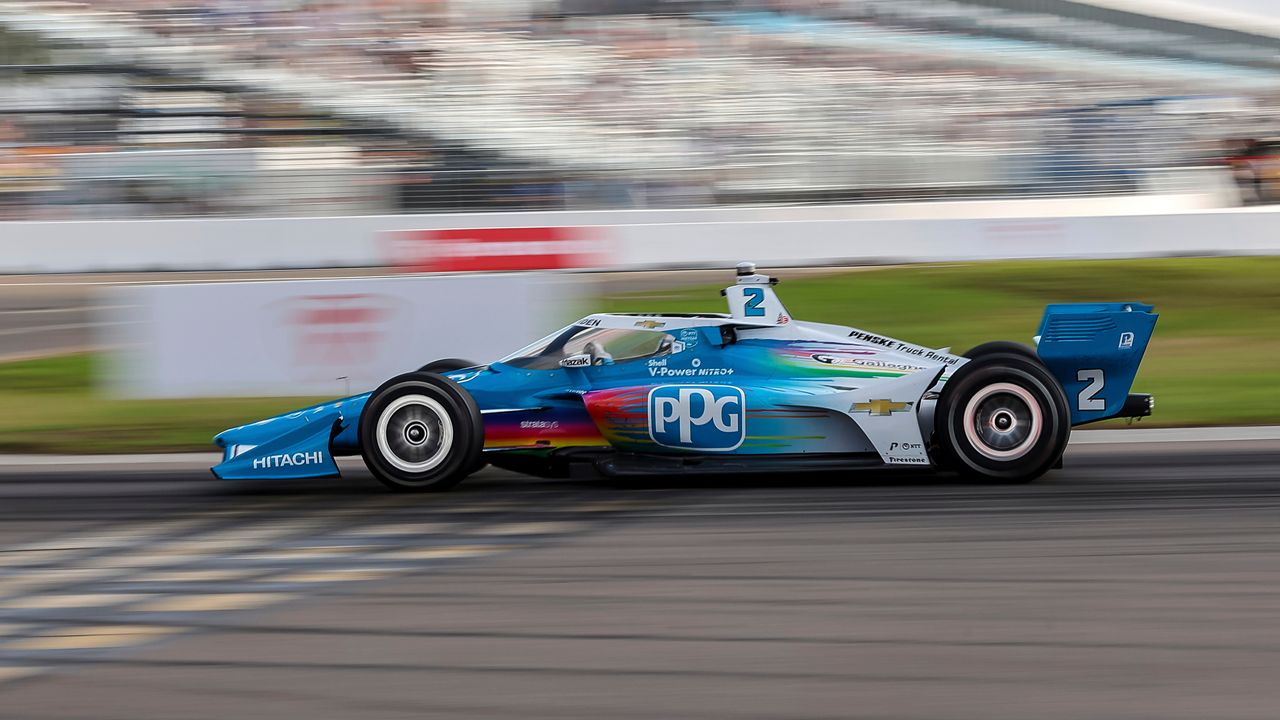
909 232
316 337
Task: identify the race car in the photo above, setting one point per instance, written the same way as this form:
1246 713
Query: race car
753 390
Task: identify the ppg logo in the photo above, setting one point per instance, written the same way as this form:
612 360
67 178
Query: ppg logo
710 417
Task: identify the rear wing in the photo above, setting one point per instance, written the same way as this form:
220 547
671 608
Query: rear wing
1094 350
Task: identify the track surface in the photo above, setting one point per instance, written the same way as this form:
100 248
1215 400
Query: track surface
1140 581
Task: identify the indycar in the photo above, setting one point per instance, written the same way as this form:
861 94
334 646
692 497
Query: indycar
751 390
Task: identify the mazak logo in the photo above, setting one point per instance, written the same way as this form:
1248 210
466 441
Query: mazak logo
694 417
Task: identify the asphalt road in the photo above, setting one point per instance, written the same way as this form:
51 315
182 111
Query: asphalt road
1140 581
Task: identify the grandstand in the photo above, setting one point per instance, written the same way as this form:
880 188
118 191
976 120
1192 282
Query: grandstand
135 107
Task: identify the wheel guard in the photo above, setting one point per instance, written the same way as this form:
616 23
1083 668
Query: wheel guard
302 451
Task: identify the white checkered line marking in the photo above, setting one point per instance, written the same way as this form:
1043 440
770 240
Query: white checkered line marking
59 602
356 562
86 543
312 553
529 528
424 528
442 552
10 629
83 547
212 602
10 673
195 576
92 637
336 575
20 558
47 578
179 551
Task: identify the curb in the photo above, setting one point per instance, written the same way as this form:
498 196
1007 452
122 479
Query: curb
1176 435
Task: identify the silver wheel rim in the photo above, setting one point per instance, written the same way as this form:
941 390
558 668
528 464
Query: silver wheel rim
414 433
1002 421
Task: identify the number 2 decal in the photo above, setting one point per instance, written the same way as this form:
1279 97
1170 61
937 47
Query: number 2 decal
754 296
1088 399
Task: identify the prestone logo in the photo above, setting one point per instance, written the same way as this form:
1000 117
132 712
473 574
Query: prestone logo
698 417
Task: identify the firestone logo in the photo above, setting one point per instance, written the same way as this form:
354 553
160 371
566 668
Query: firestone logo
693 417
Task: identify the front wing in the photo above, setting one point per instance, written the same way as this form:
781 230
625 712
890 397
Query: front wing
298 449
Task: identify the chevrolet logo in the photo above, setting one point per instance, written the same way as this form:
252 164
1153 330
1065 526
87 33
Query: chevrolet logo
651 324
880 407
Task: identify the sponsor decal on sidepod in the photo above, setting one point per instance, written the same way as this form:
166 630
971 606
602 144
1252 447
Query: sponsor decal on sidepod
288 460
864 362
697 417
882 407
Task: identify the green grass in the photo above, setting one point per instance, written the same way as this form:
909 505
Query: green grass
50 405
1214 359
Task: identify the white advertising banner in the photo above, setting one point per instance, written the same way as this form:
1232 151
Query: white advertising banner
642 239
317 337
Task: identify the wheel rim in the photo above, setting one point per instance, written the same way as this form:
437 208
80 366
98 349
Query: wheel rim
414 433
1002 421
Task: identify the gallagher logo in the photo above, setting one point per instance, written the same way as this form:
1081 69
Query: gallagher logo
694 417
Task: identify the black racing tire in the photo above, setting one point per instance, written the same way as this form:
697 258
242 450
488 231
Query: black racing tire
1001 346
1002 417
421 432
445 365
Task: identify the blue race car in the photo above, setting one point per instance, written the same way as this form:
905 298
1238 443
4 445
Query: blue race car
748 391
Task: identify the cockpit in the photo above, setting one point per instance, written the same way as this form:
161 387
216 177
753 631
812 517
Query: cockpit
600 346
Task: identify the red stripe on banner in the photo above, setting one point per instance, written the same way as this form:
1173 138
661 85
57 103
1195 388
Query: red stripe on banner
497 249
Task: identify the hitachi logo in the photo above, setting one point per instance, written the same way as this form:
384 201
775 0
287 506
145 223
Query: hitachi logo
286 460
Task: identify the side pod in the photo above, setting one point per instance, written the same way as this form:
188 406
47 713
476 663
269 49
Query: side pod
300 452
1094 350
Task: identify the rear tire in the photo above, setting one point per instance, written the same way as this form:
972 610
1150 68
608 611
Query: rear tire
421 432
996 347
1002 417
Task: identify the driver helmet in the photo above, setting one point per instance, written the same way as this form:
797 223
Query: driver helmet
598 354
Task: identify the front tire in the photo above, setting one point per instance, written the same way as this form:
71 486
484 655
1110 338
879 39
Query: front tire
421 432
1002 417
445 365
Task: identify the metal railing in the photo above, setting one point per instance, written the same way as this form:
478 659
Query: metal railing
68 188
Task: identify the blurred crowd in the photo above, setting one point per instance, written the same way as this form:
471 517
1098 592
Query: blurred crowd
227 107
